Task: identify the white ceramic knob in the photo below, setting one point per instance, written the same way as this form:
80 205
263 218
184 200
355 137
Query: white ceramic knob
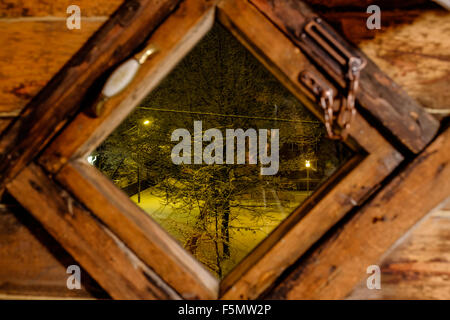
121 78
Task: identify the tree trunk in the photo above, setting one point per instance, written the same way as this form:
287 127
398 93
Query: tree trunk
216 244
226 229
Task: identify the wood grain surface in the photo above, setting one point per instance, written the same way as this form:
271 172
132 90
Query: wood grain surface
418 266
32 263
339 263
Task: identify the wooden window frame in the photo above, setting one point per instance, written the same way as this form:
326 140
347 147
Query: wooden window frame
64 159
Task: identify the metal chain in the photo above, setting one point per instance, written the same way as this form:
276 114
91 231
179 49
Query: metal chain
347 110
326 102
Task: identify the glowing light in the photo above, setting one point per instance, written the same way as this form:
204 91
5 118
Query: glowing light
91 159
146 122
308 164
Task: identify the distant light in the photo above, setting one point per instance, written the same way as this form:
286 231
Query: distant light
307 164
91 159
146 122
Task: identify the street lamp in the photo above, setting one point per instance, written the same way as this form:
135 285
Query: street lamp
307 165
91 159
145 122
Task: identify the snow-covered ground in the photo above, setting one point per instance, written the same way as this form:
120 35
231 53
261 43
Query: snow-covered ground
247 229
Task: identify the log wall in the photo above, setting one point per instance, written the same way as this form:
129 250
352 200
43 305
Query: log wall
35 44
418 266
33 264
413 48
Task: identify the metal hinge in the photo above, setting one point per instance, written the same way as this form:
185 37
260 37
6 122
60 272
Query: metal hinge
320 44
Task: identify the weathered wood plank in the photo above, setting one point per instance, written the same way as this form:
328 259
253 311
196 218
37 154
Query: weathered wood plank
417 56
4 123
446 206
379 95
27 64
56 8
353 24
106 259
385 4
349 17
418 266
32 263
61 98
340 262
143 235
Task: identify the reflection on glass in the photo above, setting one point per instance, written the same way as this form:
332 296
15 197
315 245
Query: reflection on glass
219 212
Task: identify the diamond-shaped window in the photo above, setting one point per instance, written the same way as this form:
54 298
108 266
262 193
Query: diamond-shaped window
178 155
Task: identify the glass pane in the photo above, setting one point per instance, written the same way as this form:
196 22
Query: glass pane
220 153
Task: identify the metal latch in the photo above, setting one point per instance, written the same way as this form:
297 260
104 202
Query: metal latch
321 44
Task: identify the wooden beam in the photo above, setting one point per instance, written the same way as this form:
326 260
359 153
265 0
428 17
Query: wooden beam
27 64
418 265
417 57
353 24
56 8
378 94
340 262
32 263
363 4
141 234
61 98
4 123
102 255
